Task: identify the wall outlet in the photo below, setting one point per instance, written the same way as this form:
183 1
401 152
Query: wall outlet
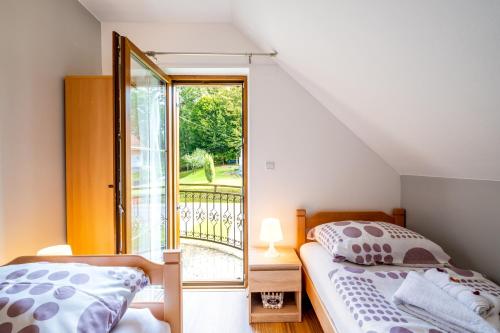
270 165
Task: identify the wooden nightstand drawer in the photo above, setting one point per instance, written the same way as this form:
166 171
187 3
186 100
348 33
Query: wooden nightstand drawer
283 280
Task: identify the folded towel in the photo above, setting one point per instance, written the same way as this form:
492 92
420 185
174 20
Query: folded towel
424 300
494 317
465 295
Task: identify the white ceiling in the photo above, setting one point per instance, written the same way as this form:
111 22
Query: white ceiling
417 80
172 11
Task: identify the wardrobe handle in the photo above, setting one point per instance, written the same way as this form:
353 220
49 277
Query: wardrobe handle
111 186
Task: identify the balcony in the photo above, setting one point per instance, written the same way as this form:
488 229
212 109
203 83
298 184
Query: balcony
212 232
211 229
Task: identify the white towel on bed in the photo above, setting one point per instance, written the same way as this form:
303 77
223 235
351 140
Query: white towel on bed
478 303
423 299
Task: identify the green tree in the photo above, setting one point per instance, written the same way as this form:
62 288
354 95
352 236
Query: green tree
189 95
211 120
209 168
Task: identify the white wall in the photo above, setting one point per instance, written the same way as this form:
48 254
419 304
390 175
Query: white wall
320 164
41 43
461 214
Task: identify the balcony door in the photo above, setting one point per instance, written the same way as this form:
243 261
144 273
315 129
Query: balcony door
145 177
211 140
180 167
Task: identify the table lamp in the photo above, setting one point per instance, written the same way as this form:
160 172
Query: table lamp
270 231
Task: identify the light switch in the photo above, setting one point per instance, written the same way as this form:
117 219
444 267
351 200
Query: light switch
270 165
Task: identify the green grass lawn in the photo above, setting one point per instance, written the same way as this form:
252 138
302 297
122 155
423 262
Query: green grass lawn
225 175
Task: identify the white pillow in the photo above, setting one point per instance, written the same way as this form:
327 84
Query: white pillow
373 243
56 297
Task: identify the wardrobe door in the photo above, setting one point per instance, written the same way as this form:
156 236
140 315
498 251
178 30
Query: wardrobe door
90 203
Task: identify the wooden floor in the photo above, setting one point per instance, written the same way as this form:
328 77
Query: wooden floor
227 312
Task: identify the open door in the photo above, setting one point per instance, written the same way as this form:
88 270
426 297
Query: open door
144 160
204 203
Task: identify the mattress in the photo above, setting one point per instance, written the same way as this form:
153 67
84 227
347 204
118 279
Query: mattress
140 321
318 263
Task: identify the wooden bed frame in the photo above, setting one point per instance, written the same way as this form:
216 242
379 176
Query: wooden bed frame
167 275
305 223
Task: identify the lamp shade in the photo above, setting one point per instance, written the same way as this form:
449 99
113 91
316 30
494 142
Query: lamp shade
56 250
270 230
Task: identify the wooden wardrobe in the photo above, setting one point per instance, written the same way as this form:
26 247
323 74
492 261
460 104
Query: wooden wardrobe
90 170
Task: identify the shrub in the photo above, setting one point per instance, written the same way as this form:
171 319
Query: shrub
186 162
195 160
209 168
198 158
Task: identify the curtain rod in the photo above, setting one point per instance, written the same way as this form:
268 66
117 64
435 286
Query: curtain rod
153 54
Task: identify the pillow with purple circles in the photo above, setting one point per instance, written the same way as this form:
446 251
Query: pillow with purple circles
377 243
66 297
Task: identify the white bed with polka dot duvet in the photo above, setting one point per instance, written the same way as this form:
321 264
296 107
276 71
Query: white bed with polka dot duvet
359 298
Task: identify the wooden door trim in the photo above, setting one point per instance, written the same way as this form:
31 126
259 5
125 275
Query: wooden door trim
119 111
224 79
133 49
208 79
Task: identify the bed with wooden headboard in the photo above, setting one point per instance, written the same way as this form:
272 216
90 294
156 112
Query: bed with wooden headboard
307 222
167 275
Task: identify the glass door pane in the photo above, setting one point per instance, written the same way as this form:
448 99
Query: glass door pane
147 138
143 157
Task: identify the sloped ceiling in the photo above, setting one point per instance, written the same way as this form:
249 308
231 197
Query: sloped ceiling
169 11
417 80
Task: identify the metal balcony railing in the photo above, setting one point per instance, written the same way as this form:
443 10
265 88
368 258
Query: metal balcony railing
214 215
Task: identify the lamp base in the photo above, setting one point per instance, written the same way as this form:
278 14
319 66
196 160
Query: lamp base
271 251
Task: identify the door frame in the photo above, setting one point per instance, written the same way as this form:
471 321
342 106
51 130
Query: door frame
208 80
123 49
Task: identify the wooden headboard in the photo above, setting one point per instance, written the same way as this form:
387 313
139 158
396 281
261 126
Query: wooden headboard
305 223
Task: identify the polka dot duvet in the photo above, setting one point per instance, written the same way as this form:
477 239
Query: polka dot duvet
368 296
53 297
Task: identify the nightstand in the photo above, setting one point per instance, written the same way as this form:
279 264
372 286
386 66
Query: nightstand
283 273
